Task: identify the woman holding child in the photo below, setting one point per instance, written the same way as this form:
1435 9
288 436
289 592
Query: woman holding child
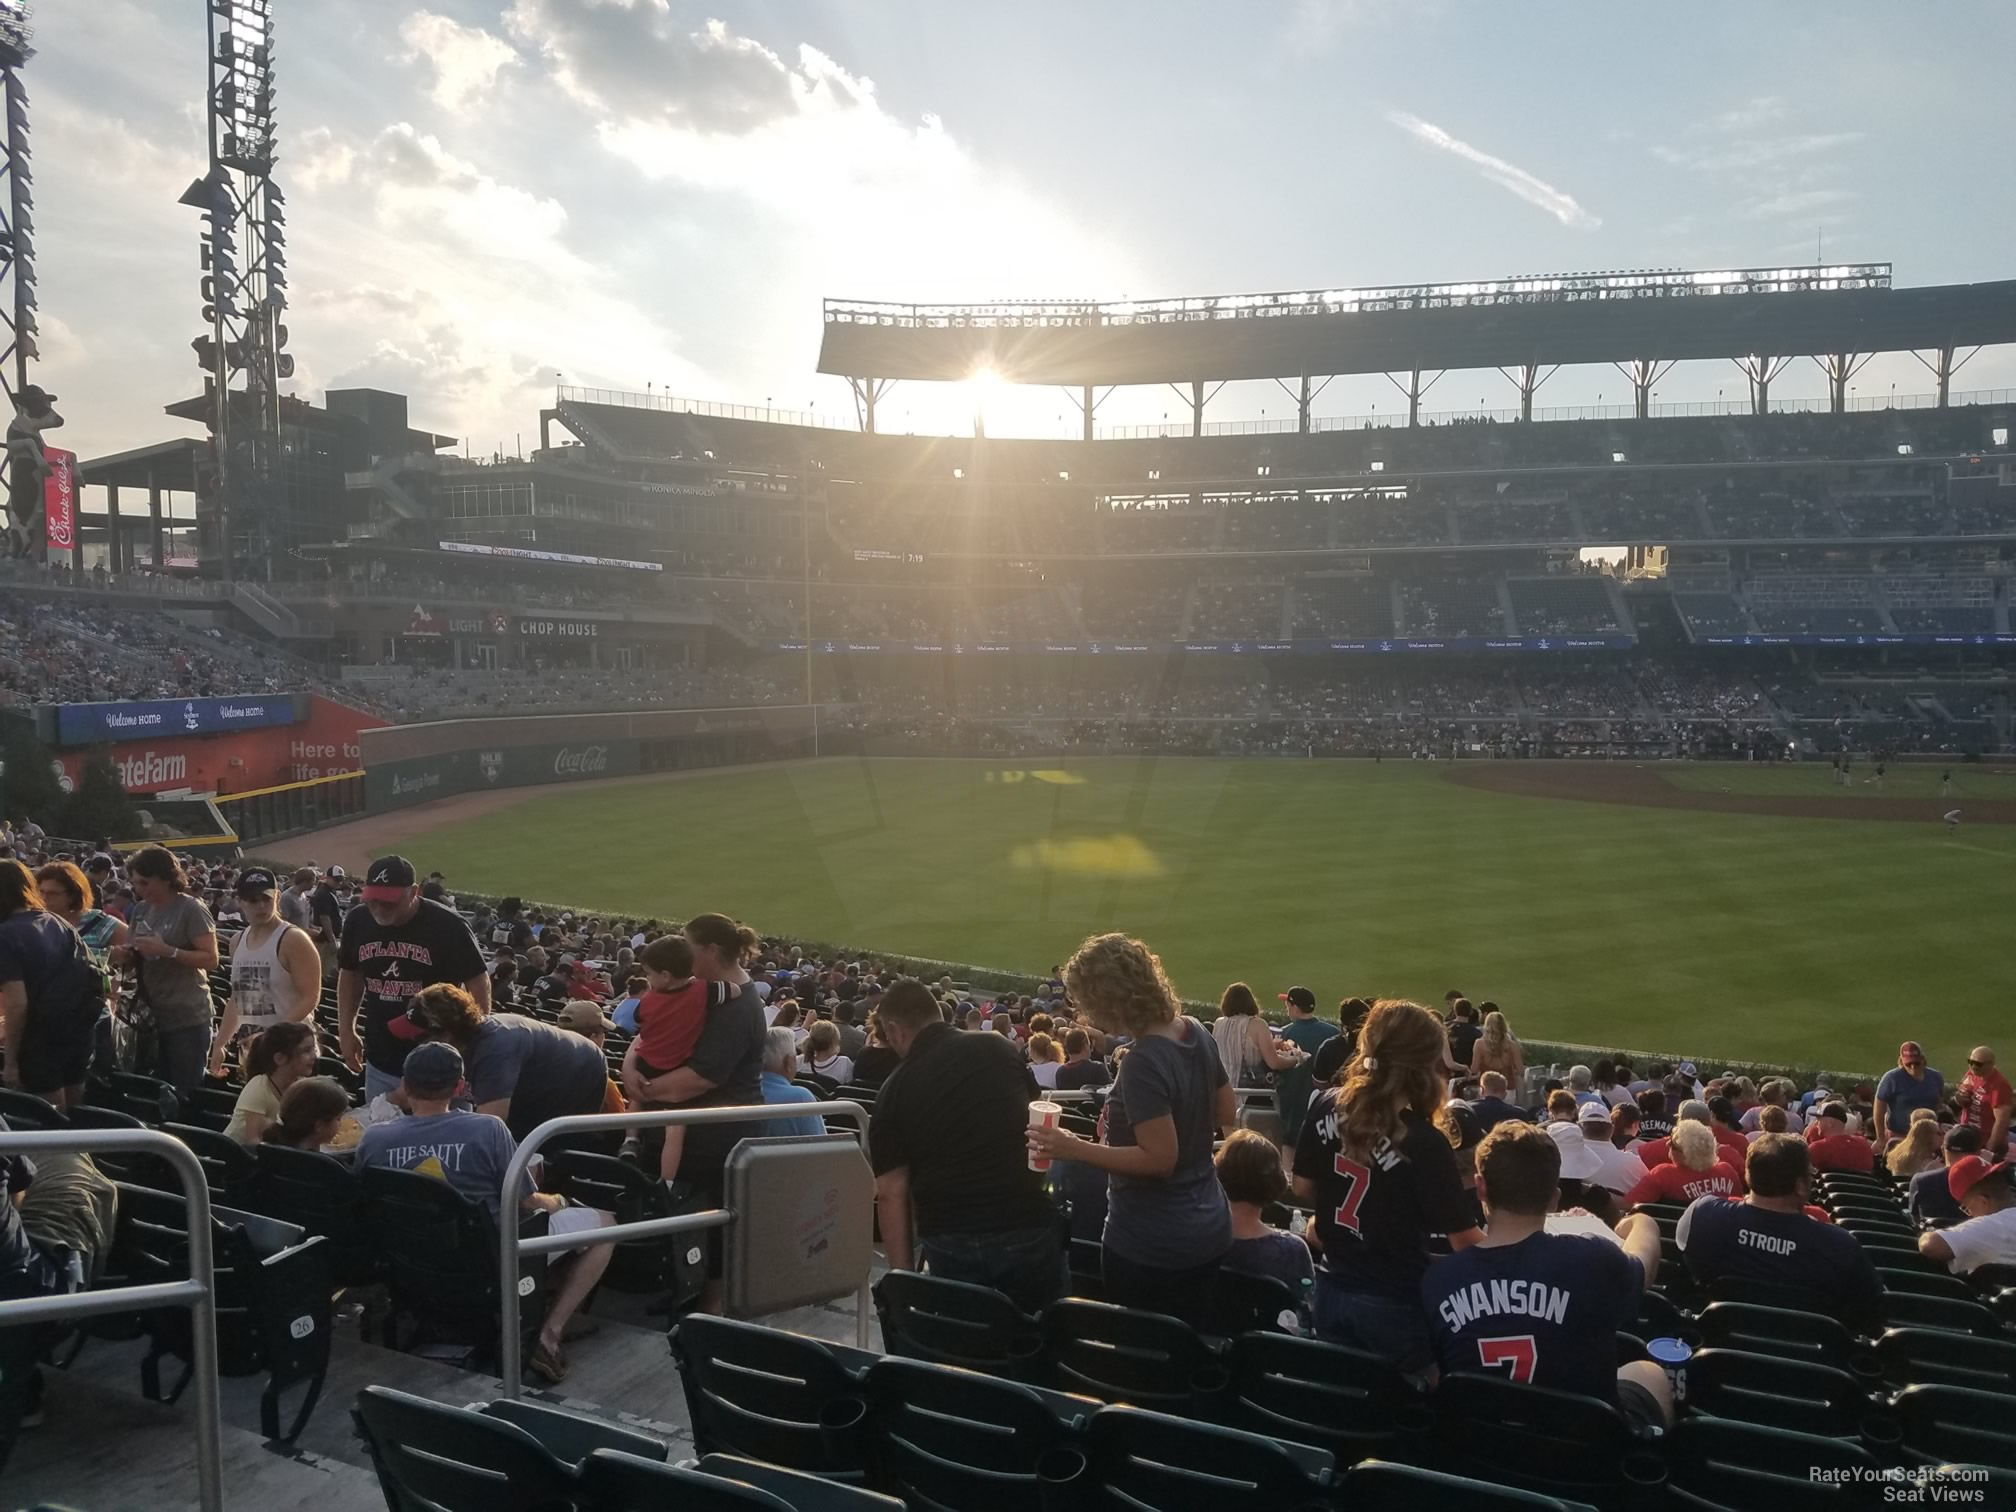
724 1067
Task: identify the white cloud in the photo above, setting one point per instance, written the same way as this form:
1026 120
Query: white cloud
1315 25
1507 176
1752 156
319 159
894 206
633 58
1751 114
454 286
465 60
1798 202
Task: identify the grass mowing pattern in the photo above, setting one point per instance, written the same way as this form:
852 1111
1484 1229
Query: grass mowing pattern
1795 940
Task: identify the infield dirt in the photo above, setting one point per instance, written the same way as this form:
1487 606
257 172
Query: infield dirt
1644 787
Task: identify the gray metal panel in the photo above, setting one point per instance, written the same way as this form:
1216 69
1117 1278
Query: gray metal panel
804 1222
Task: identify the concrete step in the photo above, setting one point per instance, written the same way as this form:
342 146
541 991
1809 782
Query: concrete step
106 1448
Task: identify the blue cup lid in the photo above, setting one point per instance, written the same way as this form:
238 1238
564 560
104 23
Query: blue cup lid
1670 1351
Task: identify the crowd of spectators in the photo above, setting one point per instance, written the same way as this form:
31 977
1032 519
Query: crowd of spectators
1567 604
1392 1164
1451 606
409 691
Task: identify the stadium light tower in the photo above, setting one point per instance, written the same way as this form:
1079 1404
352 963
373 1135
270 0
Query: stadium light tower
17 207
244 285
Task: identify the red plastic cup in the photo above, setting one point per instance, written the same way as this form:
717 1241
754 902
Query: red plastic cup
1042 1115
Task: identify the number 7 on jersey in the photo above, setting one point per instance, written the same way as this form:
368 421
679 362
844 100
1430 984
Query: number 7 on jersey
1357 1182
1516 1354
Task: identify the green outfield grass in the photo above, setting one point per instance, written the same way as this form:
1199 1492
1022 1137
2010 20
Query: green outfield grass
1814 942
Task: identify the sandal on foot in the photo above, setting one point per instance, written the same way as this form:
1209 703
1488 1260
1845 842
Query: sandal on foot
548 1363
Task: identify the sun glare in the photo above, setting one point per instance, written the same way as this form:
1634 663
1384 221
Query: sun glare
985 388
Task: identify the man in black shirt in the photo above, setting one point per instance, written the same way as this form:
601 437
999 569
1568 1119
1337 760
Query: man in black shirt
394 944
509 927
325 919
1653 1122
1931 1201
1080 1071
948 1141
1769 1237
1492 1105
1464 1030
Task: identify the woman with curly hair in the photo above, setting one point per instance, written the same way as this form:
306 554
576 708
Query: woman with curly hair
1384 1181
522 1070
1167 1225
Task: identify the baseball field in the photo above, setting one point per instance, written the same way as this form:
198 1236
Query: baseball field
1716 910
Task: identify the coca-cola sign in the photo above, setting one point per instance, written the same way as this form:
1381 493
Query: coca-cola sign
581 761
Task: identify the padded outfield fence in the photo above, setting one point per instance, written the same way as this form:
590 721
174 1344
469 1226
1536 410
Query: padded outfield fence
411 764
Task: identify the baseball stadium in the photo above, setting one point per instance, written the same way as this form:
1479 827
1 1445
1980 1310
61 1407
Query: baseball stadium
358 786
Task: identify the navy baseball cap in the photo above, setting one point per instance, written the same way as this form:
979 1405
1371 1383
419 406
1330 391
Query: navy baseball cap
388 879
433 1068
1301 997
257 880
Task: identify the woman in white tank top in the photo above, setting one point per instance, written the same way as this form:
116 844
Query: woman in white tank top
276 972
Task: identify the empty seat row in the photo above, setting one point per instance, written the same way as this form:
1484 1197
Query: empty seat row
939 1436
530 1457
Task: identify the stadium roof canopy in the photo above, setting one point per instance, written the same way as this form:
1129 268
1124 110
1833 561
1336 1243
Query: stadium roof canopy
1510 323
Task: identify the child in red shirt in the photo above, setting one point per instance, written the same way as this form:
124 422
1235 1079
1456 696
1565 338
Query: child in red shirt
670 1016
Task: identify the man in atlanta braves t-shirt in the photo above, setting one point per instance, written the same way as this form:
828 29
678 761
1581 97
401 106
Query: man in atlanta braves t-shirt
1544 1308
1769 1236
394 944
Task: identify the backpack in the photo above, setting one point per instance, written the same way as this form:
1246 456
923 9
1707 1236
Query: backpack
76 993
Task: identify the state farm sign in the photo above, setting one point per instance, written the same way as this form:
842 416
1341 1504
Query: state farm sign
150 771
581 761
236 762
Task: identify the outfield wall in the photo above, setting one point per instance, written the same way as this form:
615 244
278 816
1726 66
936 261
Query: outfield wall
417 763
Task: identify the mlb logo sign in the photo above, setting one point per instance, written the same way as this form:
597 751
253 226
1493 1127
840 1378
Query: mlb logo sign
491 763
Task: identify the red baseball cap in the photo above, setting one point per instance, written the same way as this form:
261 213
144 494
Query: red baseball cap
1968 1172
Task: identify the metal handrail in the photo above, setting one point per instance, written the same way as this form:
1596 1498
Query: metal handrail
198 1293
1086 1094
510 1246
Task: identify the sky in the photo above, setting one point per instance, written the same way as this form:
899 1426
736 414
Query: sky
485 195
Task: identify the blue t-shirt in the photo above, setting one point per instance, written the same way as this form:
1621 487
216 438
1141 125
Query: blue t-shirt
1181 1220
469 1151
1492 1111
1279 1255
624 1014
778 1090
1544 1311
33 944
1901 1094
1931 1198
1719 1237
